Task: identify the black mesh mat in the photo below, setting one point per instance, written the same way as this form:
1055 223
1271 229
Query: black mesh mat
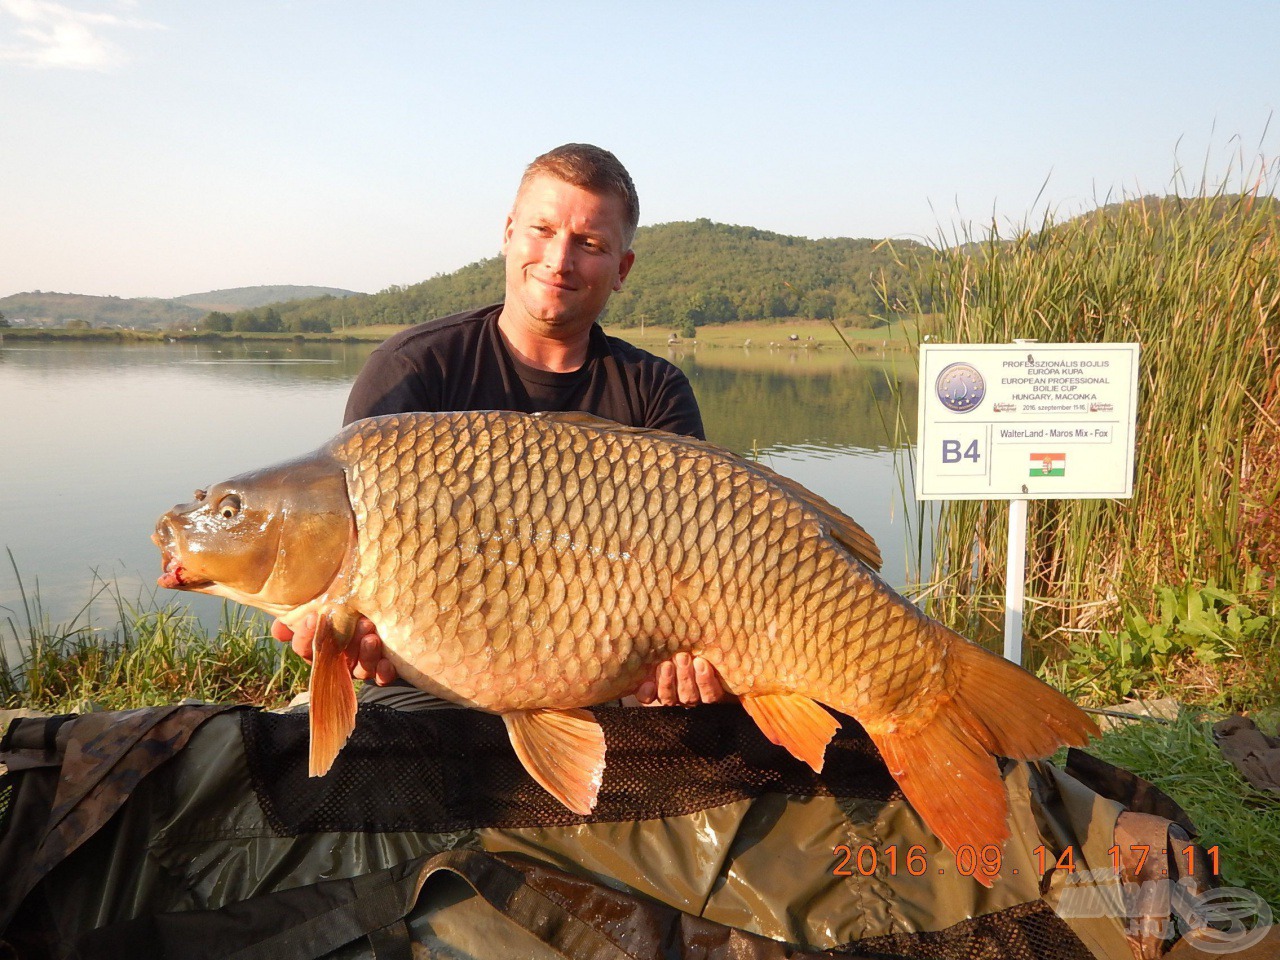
6 795
445 770
1028 931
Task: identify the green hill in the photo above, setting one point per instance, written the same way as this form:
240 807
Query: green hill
246 298
704 271
56 309
1160 211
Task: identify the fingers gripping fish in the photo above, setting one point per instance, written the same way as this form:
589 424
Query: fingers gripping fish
532 566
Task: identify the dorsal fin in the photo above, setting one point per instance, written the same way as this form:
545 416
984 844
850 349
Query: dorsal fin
842 528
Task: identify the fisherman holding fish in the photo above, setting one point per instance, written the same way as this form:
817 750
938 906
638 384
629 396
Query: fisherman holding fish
534 566
567 246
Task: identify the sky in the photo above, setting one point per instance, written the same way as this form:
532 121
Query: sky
159 148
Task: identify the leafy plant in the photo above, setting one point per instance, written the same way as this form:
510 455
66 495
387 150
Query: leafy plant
151 655
1201 624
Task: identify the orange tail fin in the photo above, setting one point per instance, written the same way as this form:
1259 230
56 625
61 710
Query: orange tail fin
946 767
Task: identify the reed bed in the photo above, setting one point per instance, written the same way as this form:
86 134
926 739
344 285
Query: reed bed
1196 281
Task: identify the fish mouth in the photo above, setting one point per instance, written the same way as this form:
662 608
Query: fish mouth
173 575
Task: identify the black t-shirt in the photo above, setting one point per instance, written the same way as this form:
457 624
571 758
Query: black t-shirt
462 363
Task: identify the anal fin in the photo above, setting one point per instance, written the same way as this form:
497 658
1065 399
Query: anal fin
333 692
563 750
794 722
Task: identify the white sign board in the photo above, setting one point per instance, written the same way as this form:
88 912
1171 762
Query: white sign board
1027 421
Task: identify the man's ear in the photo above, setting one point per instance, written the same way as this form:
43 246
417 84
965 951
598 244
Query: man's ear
624 267
506 232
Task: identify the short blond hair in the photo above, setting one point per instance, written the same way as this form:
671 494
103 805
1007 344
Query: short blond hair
591 168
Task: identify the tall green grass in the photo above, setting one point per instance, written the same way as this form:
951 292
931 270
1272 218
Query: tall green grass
1196 281
147 655
1182 759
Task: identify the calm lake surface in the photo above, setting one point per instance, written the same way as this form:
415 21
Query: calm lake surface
97 440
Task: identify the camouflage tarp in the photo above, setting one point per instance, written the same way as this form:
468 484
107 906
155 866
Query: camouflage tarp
120 838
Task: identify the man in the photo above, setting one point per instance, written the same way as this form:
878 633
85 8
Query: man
567 245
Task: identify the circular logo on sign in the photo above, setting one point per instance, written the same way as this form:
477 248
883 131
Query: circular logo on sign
960 387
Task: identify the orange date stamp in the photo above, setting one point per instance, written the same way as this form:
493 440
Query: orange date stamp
865 860
1129 860
986 861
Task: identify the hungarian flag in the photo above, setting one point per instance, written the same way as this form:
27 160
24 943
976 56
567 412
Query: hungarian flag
1048 464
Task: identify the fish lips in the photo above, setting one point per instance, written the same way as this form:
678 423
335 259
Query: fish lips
173 576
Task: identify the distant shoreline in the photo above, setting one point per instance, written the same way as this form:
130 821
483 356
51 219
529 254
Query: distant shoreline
758 333
163 336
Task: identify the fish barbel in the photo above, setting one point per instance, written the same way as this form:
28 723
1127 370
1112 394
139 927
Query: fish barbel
532 566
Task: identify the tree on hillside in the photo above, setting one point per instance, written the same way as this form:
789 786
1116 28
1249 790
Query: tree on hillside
216 322
820 304
707 307
310 325
258 321
3 321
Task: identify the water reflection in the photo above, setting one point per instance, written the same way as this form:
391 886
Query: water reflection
854 406
99 439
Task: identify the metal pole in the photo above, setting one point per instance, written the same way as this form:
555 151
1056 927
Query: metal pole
1015 581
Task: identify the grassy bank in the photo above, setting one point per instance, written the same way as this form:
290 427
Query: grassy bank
1183 761
149 655
799 333
761 335
1196 281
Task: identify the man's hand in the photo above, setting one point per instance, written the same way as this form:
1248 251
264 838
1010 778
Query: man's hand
683 679
364 653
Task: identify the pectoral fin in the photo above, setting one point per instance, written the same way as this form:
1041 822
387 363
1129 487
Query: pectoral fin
563 750
794 722
333 692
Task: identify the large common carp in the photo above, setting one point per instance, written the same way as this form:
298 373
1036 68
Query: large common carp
534 565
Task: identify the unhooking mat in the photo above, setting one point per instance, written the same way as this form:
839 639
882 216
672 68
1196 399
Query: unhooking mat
194 832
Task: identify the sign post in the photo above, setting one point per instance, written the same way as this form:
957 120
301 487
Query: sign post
1015 580
1026 421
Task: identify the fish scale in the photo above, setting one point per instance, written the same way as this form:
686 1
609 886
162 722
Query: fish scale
695 541
535 565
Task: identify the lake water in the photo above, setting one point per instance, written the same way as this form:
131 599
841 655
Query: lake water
97 440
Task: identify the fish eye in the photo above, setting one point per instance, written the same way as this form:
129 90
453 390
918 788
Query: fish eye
229 506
